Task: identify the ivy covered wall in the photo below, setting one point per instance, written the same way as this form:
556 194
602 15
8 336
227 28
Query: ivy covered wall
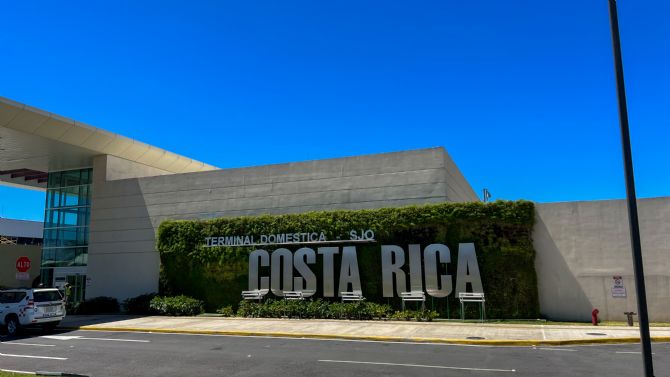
501 232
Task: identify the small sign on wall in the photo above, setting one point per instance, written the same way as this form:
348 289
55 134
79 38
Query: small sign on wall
22 276
618 290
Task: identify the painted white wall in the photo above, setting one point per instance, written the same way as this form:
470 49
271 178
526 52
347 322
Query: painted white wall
580 246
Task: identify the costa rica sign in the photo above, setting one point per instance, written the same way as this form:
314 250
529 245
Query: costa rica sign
402 269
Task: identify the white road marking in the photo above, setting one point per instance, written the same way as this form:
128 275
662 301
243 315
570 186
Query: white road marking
556 349
61 337
418 366
16 371
633 352
28 344
117 340
33 357
79 337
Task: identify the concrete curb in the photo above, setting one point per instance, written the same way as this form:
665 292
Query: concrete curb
482 342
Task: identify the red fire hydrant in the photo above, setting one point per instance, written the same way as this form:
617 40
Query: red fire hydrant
594 317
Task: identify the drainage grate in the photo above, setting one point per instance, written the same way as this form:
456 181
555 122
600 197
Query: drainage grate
475 338
596 333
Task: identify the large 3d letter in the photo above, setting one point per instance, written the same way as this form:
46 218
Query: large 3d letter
257 259
415 274
430 258
468 269
349 270
301 258
328 269
282 271
393 258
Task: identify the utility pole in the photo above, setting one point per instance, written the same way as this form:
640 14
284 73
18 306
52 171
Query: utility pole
645 339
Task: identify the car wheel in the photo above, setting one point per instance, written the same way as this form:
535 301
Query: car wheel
13 326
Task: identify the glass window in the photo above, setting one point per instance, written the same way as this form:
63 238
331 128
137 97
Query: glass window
81 258
11 297
53 180
65 257
71 178
66 218
48 257
46 296
86 176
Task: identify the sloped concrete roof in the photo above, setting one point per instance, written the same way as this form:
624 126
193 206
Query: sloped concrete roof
31 138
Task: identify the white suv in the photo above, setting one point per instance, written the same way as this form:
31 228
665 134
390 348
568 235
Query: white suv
27 307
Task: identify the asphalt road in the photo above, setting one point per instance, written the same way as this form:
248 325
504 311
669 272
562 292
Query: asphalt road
99 353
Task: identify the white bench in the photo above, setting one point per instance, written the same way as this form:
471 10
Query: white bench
473 297
293 295
352 296
413 296
256 294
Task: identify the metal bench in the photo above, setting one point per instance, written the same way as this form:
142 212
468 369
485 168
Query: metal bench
352 296
293 295
473 297
413 296
256 294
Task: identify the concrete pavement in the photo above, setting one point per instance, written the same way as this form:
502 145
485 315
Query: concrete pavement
436 332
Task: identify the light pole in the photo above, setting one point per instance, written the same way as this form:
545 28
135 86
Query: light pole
645 339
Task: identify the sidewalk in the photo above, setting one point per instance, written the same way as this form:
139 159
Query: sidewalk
438 332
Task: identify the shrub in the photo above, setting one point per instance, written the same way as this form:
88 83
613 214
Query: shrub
417 315
226 311
317 309
247 309
177 305
97 305
378 310
139 304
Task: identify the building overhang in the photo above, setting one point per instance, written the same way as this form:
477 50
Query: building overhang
34 142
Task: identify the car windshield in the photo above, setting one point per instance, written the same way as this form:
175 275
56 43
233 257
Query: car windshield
43 296
11 297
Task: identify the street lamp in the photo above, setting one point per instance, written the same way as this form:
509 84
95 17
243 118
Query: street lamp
645 339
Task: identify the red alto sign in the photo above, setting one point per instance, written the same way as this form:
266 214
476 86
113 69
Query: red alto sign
22 264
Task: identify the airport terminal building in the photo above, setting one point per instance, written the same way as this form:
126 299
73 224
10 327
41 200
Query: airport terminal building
106 196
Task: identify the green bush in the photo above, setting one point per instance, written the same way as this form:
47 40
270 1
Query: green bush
417 315
247 309
378 310
177 305
97 305
139 304
316 309
226 311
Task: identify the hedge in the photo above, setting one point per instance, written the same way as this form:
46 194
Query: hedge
176 306
501 232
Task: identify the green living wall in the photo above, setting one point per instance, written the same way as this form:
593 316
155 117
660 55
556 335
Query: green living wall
501 232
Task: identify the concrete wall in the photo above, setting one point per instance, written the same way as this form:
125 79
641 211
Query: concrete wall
458 188
8 256
126 213
581 245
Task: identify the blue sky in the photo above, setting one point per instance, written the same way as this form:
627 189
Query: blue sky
521 93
